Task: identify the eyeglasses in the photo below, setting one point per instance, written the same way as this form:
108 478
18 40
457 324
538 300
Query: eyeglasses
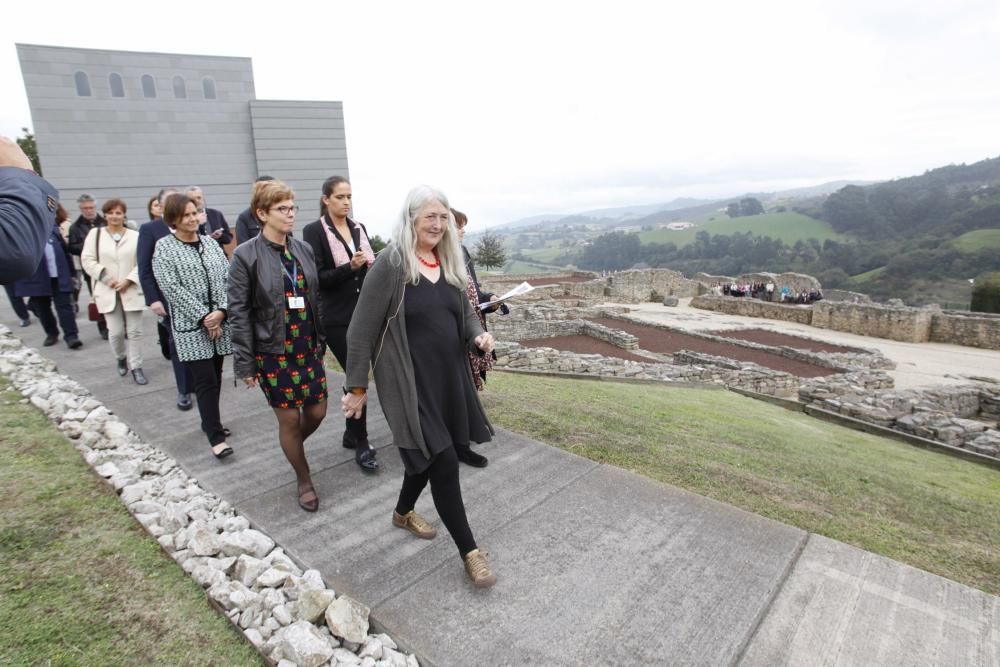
285 210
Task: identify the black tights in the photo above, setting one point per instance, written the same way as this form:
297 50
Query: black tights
294 426
442 473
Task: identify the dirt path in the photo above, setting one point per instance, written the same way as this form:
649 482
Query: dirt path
917 364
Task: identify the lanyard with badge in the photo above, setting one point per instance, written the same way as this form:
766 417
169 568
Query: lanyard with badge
295 302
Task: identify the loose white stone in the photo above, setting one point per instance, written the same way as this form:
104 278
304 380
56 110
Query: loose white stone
411 661
254 637
313 604
204 543
371 649
249 618
116 430
273 577
345 657
272 597
235 524
248 569
286 663
313 579
302 643
250 541
208 576
269 627
281 614
135 492
166 541
386 641
370 662
106 469
348 618
393 658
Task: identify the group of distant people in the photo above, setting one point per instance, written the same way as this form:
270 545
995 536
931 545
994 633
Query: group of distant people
766 291
411 316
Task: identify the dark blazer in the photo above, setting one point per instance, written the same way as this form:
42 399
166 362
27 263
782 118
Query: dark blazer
216 220
247 226
27 212
149 234
339 285
40 283
78 232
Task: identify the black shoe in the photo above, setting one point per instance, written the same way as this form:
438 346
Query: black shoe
74 343
139 377
50 340
469 457
104 334
365 458
183 402
122 367
25 322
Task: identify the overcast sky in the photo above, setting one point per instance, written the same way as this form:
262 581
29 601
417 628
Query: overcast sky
547 107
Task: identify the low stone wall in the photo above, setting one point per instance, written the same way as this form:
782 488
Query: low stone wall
287 613
970 329
910 325
754 308
961 416
743 376
796 282
845 295
636 286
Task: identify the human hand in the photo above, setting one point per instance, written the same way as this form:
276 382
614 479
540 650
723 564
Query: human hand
353 404
217 233
121 285
214 333
213 319
485 342
358 260
11 155
158 309
250 382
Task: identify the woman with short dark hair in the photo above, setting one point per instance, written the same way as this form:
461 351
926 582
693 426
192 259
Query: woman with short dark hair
193 274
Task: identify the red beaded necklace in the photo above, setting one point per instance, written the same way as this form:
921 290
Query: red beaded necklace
431 265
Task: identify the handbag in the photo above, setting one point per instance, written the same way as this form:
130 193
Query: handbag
93 314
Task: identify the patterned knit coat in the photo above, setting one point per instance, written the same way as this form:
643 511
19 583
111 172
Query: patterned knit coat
194 280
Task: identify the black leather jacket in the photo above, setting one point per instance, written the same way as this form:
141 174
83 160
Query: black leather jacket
257 300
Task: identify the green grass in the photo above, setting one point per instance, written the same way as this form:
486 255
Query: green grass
926 509
978 239
548 255
81 583
868 275
517 268
789 227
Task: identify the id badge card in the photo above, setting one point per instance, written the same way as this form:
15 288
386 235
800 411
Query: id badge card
296 303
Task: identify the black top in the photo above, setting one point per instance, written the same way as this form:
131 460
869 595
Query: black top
440 369
339 286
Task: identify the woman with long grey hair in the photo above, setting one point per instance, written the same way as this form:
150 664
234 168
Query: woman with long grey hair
413 326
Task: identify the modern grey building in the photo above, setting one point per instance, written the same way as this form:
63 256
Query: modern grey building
125 124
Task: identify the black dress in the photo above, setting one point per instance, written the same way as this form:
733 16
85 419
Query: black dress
297 377
441 369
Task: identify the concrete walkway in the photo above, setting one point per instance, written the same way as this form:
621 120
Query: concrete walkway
595 565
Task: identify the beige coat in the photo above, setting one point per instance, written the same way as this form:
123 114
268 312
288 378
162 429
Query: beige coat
118 260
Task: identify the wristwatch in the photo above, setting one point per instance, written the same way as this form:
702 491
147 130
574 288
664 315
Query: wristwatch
357 391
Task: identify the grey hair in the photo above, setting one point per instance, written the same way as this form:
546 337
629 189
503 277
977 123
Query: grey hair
404 239
84 197
193 188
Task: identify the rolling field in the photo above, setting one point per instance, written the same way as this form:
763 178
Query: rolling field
789 227
978 239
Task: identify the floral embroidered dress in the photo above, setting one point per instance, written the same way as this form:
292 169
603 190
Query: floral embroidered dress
295 378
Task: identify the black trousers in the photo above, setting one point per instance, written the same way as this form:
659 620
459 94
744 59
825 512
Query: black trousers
336 338
182 373
41 306
207 375
447 492
20 307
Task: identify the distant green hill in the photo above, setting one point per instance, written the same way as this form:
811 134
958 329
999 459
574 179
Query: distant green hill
789 227
978 239
867 275
548 255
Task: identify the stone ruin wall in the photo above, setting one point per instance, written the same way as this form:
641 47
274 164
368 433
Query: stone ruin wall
970 329
797 282
962 416
754 308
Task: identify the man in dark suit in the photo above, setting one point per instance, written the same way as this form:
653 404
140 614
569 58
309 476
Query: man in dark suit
27 212
149 234
52 284
247 226
215 224
88 220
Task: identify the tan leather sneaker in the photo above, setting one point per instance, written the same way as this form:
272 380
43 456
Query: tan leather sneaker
414 523
478 569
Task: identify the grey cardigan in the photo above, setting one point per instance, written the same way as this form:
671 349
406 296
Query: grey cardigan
376 338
